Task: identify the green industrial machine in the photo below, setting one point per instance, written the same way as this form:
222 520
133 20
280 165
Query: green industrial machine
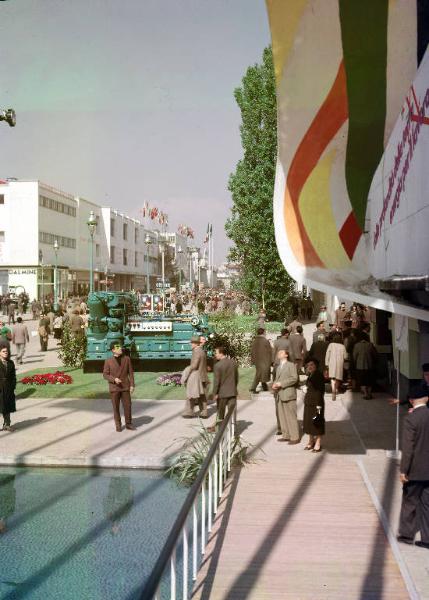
154 340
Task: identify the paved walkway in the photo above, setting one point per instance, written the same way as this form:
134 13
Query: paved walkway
300 526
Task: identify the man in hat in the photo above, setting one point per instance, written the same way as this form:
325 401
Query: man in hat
118 371
196 380
425 383
414 471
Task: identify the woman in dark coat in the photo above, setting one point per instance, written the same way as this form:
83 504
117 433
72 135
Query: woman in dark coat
7 386
314 405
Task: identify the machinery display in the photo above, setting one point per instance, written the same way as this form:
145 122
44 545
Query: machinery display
153 339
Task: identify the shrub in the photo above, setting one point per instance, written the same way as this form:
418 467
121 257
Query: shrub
73 348
169 379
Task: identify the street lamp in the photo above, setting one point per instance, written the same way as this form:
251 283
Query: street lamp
147 241
56 248
92 225
43 283
8 115
179 251
162 250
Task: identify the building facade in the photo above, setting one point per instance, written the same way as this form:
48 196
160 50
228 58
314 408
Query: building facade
34 215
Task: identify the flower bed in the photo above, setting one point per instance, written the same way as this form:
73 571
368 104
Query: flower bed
169 379
59 377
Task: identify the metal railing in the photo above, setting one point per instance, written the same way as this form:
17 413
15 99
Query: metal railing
195 519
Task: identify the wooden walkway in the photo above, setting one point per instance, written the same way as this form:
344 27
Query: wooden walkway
298 526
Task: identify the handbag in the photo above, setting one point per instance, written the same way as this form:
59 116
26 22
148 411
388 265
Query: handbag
318 419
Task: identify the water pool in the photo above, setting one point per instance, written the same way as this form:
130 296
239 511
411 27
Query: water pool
82 533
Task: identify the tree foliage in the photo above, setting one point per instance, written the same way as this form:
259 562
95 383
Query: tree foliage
251 226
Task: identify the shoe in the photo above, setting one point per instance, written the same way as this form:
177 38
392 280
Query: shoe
315 450
283 440
405 540
278 432
131 427
188 416
118 427
203 415
309 448
294 442
423 545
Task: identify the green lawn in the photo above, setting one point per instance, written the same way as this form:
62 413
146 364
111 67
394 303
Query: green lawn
92 385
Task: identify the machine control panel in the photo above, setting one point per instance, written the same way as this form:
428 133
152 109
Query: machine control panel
151 326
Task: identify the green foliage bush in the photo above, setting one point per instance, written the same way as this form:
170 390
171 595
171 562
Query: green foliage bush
232 336
73 348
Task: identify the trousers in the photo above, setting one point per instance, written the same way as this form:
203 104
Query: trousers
289 420
414 515
20 350
116 398
223 404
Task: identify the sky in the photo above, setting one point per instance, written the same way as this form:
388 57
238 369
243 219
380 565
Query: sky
129 101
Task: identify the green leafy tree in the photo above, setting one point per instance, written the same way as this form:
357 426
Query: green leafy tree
251 226
73 348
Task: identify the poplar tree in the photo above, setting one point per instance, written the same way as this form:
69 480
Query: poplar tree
251 226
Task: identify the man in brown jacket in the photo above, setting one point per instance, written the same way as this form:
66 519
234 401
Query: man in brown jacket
118 371
20 338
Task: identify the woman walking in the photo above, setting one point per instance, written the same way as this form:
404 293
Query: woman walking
336 354
7 386
314 407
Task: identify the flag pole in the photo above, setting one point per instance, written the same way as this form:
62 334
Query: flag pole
212 243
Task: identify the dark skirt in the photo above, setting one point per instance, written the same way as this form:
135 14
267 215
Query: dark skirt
365 377
309 426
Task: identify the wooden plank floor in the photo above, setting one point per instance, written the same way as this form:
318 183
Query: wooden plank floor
298 526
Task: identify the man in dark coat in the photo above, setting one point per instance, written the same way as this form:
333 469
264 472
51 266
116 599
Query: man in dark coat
261 357
414 471
7 386
118 371
225 381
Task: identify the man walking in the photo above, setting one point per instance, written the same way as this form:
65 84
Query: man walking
414 471
11 313
284 388
118 371
20 337
261 357
225 381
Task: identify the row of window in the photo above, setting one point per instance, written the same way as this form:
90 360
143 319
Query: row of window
57 206
152 259
124 231
49 238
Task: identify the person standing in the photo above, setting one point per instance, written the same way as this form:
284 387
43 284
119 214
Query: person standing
20 338
34 309
364 359
281 343
314 407
76 323
414 471
11 313
58 326
225 382
118 371
294 324
43 332
336 354
284 388
298 347
320 334
199 364
261 357
341 315
7 386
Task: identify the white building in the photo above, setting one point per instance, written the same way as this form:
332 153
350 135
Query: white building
33 215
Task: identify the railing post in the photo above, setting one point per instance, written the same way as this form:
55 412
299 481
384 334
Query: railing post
215 477
185 563
221 468
229 447
173 576
203 517
194 541
209 504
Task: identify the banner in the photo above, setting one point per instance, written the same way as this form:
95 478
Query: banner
343 68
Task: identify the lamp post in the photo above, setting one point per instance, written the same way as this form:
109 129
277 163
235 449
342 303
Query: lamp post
162 250
41 264
147 241
92 224
179 251
106 273
56 248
